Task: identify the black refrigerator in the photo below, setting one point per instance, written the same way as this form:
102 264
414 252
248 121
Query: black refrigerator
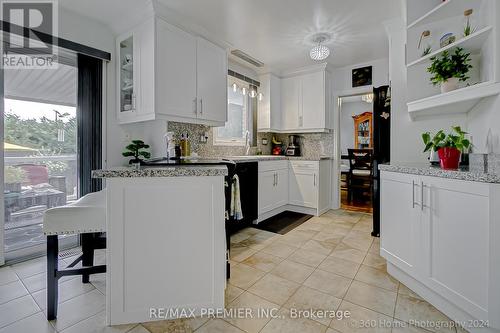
381 145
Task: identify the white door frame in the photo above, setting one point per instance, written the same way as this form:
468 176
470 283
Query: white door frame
337 106
2 214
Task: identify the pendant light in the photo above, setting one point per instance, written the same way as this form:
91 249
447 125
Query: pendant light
252 93
320 51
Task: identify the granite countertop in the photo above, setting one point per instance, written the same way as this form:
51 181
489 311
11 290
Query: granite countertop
424 169
256 158
170 171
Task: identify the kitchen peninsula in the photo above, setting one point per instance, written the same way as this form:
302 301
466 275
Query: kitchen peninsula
162 250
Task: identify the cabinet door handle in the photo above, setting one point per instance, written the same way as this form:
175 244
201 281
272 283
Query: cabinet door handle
201 105
195 105
314 179
422 205
413 203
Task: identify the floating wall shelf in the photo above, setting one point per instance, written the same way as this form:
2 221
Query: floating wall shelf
454 102
472 43
443 11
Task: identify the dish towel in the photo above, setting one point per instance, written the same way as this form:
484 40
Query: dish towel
236 211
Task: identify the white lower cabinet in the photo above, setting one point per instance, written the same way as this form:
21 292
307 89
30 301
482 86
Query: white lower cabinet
273 185
442 235
302 186
310 184
303 189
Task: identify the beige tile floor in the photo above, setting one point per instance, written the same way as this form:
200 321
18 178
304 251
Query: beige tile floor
328 263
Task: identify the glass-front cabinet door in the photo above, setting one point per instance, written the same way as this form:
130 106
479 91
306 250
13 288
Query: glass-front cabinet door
126 75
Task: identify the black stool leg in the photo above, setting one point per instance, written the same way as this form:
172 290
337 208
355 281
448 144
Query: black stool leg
52 279
88 254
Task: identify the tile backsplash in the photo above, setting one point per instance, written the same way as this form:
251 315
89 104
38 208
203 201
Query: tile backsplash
313 145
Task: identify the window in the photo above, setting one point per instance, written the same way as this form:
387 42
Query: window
241 115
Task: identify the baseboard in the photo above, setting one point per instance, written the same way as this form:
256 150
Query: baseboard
442 304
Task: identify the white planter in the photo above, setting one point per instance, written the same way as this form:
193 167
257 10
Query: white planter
449 85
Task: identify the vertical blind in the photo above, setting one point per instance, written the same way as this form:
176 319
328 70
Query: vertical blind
89 118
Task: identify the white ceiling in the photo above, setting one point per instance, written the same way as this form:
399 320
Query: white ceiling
275 32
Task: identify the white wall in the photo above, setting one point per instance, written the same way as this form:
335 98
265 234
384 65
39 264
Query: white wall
347 111
406 142
342 77
484 119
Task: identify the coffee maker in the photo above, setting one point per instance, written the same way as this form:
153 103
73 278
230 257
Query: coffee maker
293 148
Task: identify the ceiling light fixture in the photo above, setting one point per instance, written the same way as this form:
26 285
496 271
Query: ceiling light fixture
320 51
252 93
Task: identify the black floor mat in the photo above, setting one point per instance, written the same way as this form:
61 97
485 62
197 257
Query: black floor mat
283 223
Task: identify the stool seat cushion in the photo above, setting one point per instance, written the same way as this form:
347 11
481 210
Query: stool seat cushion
86 215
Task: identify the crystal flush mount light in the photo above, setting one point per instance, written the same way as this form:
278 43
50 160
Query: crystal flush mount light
320 51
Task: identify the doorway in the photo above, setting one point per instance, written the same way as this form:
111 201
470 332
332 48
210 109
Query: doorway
356 151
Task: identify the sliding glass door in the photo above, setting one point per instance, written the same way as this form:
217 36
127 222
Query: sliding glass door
40 152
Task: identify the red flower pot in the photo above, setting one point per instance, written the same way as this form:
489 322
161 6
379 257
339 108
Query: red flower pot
449 158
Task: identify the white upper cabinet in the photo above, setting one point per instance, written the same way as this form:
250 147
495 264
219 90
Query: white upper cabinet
269 117
176 97
290 103
313 110
176 76
135 70
212 81
299 102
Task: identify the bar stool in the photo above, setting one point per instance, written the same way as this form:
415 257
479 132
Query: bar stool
86 216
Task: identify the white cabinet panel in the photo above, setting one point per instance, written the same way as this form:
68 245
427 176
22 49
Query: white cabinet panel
457 239
212 82
400 213
281 191
267 184
158 259
176 76
312 113
304 183
303 188
273 185
269 110
290 103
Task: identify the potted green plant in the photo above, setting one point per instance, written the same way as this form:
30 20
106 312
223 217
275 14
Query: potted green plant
13 178
448 146
449 69
136 149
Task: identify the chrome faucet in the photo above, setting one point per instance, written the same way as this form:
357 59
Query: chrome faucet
247 143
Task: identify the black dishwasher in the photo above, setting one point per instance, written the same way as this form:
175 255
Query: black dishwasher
249 183
248 175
